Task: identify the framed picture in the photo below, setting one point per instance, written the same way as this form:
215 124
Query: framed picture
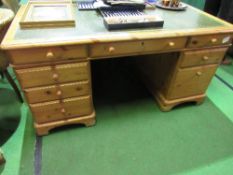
44 14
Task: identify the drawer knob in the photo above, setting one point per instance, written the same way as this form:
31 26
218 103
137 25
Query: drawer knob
59 92
199 73
55 76
194 41
214 40
63 111
50 54
48 92
171 44
79 88
205 58
111 49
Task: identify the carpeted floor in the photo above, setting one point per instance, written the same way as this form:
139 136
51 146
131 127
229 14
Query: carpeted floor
132 135
136 138
9 113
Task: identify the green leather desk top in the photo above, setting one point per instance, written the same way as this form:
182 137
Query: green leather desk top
90 29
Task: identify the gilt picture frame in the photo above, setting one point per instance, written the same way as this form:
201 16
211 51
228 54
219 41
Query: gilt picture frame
48 14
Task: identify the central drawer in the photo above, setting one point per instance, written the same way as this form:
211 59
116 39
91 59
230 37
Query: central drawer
55 92
47 54
49 75
56 110
136 47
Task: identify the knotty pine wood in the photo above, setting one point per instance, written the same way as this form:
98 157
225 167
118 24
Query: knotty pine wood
61 109
43 129
202 57
48 54
172 85
209 40
139 47
49 75
190 81
59 91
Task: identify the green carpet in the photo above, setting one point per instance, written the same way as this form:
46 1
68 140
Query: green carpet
226 72
9 114
136 138
222 97
228 69
11 118
133 136
28 149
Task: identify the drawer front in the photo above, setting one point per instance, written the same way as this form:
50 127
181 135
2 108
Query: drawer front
69 108
191 81
55 92
209 40
29 56
202 57
48 75
136 47
163 45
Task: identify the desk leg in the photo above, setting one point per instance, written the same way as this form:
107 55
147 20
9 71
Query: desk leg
172 85
166 105
43 129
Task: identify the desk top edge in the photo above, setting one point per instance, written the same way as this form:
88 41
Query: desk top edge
9 43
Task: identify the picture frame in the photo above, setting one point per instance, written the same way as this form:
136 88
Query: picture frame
48 14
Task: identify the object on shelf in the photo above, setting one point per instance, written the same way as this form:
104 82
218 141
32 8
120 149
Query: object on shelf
47 14
116 5
138 4
125 2
92 5
171 5
114 19
86 6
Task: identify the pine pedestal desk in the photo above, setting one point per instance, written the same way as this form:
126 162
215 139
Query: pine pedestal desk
52 65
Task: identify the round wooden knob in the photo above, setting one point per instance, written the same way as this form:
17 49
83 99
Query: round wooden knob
205 58
63 110
199 73
59 92
50 55
171 44
111 49
55 76
214 40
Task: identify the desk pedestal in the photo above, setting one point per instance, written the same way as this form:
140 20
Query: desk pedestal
177 78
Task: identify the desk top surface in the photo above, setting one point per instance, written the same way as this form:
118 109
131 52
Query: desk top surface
90 29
